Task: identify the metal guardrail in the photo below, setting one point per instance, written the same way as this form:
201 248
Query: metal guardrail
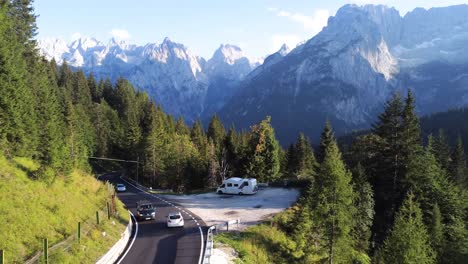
209 238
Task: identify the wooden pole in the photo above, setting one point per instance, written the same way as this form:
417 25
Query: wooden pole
79 232
46 253
108 210
2 256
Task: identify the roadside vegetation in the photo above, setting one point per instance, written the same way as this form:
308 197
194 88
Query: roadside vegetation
34 210
387 199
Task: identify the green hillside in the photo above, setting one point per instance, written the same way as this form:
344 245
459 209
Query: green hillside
33 210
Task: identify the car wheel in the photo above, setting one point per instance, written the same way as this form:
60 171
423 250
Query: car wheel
241 193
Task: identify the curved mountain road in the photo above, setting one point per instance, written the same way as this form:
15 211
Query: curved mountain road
154 241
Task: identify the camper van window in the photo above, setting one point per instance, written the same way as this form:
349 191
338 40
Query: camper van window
229 185
224 185
246 183
236 185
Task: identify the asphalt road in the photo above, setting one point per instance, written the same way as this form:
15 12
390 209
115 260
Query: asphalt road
155 242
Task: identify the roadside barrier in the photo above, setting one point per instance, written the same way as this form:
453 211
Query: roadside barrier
209 238
114 253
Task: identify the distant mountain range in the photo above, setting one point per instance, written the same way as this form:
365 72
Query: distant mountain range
184 84
344 74
347 71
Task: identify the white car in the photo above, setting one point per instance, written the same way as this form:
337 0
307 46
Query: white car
120 187
175 220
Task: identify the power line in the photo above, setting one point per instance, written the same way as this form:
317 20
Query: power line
102 158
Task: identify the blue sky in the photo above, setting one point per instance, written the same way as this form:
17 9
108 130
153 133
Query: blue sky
259 27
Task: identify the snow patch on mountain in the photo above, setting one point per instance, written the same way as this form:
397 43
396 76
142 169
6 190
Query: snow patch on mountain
168 72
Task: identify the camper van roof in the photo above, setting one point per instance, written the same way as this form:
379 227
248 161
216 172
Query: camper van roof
235 179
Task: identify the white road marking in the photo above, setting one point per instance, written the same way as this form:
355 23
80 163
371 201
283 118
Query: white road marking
133 240
136 231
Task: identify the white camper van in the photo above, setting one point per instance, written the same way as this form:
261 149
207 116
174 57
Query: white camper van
238 186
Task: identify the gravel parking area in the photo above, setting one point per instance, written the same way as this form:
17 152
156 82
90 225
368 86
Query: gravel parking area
250 209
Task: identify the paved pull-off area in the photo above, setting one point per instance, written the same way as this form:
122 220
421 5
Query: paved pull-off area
250 209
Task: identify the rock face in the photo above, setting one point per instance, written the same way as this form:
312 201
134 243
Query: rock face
184 84
347 71
344 74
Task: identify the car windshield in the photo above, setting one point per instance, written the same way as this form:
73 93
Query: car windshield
146 206
174 216
147 211
120 185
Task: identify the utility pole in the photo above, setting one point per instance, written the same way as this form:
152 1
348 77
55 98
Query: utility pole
138 163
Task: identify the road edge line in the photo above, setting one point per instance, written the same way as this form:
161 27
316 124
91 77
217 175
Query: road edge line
201 249
133 240
199 228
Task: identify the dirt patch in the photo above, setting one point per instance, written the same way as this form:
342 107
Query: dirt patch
232 213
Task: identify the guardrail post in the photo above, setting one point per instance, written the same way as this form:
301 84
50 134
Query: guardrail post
108 211
79 232
97 217
238 220
46 253
2 256
227 226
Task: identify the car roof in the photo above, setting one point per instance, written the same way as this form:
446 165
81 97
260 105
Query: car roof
120 184
176 213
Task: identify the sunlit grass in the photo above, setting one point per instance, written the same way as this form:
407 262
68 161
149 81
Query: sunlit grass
31 210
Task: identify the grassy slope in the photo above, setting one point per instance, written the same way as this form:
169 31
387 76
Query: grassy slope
32 210
264 243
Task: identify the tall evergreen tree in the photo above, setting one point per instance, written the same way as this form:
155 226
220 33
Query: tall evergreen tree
411 134
217 133
458 169
181 127
436 232
263 156
332 205
95 89
301 158
364 204
325 139
154 147
408 241
19 127
442 149
389 169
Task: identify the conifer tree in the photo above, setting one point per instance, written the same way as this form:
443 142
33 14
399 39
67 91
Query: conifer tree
364 203
263 158
331 202
217 133
17 104
301 158
398 130
198 136
436 231
95 89
325 139
458 169
408 241
442 149
154 146
411 134
181 127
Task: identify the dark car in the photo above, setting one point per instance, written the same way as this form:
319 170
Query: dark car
145 211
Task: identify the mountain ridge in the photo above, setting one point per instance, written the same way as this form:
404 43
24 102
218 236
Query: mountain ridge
347 71
173 76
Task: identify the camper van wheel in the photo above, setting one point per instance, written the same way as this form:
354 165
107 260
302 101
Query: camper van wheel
241 193
220 192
